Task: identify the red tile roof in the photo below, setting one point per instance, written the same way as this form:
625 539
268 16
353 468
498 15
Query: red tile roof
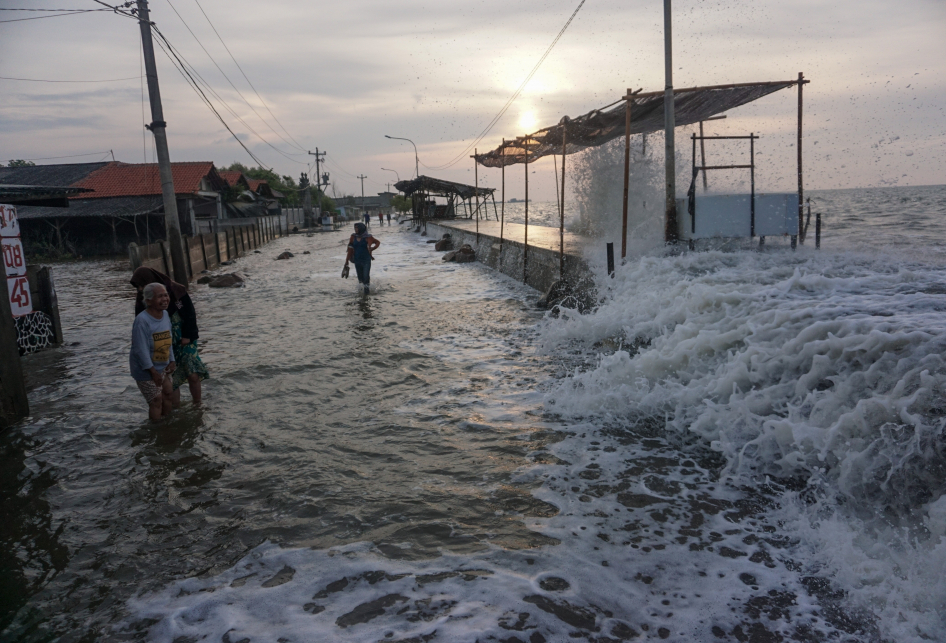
230 176
142 179
255 183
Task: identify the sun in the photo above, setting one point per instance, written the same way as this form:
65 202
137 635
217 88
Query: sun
528 122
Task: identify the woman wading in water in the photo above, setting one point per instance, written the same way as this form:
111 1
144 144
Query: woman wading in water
190 368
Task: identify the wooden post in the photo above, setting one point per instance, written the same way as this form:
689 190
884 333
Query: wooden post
670 203
49 301
801 192
134 256
13 402
703 157
525 245
561 205
476 191
627 168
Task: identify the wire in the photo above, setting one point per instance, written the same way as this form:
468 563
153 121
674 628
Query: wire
231 82
247 78
40 80
192 72
55 15
69 156
180 66
512 98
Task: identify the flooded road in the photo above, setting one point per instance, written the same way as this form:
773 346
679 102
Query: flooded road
330 417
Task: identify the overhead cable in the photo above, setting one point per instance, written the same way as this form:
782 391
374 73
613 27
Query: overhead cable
41 80
512 98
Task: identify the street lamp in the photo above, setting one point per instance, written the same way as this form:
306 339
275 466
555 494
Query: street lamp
416 160
395 173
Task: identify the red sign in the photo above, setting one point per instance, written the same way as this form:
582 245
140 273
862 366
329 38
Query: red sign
19 289
14 261
9 226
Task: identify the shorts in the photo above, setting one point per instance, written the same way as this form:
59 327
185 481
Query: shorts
150 390
363 269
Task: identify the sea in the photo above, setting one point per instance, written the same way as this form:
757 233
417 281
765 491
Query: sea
734 444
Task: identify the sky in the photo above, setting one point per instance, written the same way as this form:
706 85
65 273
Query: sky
341 75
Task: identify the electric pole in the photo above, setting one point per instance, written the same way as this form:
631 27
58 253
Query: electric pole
362 177
172 224
318 157
306 199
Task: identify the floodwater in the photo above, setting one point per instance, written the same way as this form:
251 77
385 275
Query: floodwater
734 445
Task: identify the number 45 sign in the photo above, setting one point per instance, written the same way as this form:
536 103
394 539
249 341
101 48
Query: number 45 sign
14 262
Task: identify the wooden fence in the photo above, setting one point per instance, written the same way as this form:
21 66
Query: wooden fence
208 251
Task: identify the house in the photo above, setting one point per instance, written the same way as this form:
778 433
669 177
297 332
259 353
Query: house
124 204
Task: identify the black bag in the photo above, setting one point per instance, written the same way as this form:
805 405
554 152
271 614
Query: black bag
345 271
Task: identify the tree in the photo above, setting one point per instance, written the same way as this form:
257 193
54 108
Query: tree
292 196
401 203
20 163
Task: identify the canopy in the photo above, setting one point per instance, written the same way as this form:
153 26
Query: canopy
441 188
691 105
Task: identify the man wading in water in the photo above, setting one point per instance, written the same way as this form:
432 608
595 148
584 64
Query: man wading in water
152 359
360 246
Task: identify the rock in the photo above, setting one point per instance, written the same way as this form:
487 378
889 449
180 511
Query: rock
285 255
424 233
580 296
256 252
464 254
205 272
229 280
226 263
450 256
444 244
306 252
206 279
295 228
433 240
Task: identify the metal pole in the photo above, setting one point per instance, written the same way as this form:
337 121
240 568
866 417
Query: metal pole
751 184
627 168
502 205
610 253
818 230
362 177
476 191
561 224
801 192
158 129
525 248
703 156
670 207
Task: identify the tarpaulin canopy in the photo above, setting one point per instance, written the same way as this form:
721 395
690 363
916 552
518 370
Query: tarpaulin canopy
691 105
440 187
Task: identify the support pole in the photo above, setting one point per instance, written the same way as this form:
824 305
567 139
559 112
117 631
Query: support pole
13 402
703 157
158 128
476 191
751 184
801 192
502 204
670 206
561 205
525 245
627 169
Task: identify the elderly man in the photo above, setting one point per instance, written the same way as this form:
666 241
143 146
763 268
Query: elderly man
152 359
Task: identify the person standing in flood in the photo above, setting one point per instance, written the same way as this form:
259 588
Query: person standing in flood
360 246
367 218
151 359
380 218
190 368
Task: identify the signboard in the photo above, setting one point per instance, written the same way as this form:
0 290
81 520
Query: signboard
9 226
19 290
14 262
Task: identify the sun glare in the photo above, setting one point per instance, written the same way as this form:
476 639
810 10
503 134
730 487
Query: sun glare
528 122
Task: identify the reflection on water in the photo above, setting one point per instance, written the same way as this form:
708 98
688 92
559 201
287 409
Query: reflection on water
331 416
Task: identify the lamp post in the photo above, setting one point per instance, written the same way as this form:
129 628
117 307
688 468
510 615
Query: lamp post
416 159
395 173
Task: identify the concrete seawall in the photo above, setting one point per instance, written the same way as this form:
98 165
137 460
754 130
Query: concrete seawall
539 266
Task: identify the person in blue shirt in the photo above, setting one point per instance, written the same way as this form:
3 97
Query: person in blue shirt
360 246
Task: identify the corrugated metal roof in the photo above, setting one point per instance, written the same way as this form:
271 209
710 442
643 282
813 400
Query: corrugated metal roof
58 174
440 187
691 105
127 206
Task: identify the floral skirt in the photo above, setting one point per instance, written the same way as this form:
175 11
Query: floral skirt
187 357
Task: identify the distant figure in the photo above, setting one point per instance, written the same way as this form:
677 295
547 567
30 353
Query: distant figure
190 368
389 218
367 218
151 359
380 217
360 246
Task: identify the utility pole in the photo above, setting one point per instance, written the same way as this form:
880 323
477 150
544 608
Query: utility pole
171 222
306 199
318 180
362 177
670 207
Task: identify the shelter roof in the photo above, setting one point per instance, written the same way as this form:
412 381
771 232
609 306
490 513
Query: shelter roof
125 206
691 105
141 179
439 187
47 195
56 175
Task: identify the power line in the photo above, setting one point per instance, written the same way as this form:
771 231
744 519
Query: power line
55 15
68 156
228 79
512 98
41 80
246 77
